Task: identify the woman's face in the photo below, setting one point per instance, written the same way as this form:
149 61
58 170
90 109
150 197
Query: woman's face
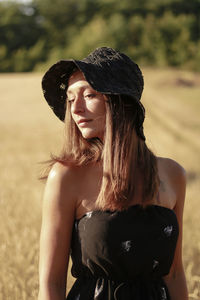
87 106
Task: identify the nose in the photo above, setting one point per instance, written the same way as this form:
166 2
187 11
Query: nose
78 105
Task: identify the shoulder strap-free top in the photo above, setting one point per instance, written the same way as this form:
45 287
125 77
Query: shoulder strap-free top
123 255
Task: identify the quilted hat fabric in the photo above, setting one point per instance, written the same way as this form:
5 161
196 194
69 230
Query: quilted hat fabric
106 70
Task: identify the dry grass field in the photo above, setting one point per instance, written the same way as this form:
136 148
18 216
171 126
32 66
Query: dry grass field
29 132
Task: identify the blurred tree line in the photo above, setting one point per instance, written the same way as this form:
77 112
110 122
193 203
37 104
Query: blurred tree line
155 32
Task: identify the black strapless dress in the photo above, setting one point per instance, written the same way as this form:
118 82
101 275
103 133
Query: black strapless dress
123 255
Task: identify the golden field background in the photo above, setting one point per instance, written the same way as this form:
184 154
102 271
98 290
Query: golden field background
29 131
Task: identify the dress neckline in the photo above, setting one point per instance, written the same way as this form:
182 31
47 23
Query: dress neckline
134 206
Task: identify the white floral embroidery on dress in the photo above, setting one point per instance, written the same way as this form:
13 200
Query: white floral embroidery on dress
127 245
89 214
168 230
155 263
99 288
163 293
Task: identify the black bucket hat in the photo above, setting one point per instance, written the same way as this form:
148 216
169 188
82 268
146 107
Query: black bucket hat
106 70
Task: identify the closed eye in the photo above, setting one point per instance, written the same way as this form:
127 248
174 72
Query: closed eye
90 96
70 100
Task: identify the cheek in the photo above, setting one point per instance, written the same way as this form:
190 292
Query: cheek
71 113
97 108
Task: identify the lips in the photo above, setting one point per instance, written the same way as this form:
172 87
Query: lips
81 121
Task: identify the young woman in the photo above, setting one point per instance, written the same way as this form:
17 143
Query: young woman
109 201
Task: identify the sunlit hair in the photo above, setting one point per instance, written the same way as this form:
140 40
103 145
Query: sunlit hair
127 161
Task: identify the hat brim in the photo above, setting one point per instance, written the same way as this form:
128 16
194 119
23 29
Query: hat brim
55 84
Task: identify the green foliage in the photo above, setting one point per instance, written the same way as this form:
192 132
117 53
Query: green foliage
20 31
156 32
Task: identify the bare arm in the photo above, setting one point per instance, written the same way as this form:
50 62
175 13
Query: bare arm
175 280
57 223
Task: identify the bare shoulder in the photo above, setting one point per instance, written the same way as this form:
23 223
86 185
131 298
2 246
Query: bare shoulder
60 171
176 175
61 189
172 167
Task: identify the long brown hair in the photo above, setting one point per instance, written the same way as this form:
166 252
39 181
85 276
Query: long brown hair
127 161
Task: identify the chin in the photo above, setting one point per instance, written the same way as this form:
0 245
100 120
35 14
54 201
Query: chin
89 134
